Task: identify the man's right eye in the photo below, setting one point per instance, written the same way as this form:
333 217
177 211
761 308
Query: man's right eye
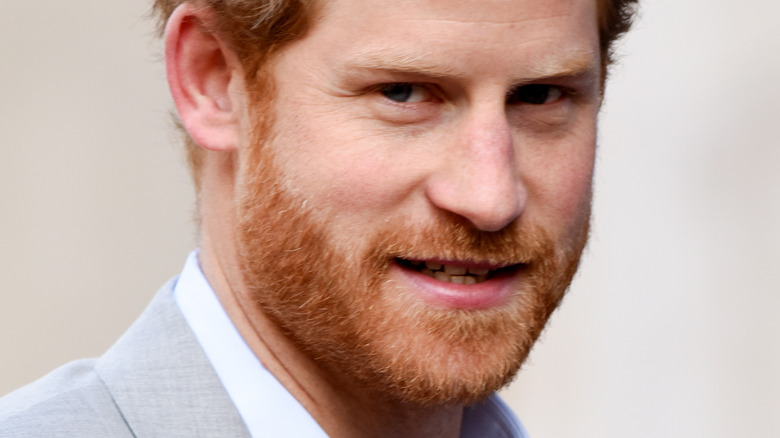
535 94
404 92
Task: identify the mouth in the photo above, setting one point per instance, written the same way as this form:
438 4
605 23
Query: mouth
455 272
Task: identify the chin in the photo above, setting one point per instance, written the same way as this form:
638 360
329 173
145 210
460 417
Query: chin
431 356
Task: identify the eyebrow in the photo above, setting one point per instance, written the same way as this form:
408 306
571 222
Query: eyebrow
575 62
569 63
402 63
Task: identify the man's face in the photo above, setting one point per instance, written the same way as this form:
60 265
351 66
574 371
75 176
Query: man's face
418 206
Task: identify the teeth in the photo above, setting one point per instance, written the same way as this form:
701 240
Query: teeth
457 279
451 274
455 270
433 266
441 276
479 271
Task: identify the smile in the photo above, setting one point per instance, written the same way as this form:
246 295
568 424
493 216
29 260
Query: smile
460 284
450 273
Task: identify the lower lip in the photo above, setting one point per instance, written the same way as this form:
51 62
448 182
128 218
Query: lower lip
488 294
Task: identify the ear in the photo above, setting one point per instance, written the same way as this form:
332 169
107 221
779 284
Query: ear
204 76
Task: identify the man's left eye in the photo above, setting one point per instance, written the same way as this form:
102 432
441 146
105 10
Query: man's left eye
405 92
535 94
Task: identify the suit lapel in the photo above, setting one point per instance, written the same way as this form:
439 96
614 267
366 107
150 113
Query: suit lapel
162 381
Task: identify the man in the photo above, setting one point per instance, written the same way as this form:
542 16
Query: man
393 198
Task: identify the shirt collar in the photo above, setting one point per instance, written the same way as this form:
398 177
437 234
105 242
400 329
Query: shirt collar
263 403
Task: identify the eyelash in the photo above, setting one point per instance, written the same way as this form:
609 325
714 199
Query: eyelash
529 94
537 94
389 88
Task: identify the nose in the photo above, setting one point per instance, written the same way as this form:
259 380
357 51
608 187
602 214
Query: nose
479 179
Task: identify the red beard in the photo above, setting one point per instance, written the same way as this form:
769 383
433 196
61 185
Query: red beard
338 304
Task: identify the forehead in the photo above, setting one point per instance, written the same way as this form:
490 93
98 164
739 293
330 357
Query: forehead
489 35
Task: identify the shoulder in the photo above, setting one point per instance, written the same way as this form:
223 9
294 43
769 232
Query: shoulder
71 401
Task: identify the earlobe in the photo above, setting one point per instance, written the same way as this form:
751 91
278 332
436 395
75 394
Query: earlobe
202 73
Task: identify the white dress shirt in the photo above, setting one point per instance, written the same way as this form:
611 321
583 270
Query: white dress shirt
267 408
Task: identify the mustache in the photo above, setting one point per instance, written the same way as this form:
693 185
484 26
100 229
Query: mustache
447 239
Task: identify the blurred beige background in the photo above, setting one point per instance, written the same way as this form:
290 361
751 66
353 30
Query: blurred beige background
670 329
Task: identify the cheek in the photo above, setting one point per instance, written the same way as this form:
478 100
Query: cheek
343 173
360 184
560 185
576 191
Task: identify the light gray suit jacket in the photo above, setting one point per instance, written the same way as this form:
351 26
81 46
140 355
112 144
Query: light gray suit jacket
154 382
